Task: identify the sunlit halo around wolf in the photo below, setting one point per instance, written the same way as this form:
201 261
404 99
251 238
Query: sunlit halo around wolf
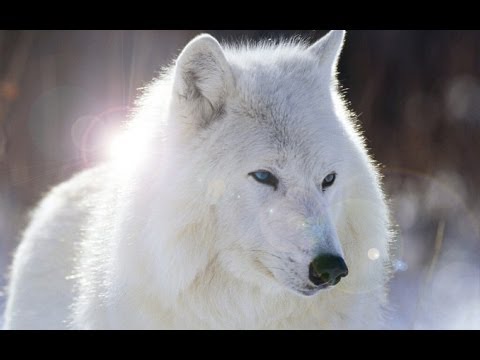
117 146
126 147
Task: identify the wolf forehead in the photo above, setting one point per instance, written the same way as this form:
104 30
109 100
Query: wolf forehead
275 81
282 95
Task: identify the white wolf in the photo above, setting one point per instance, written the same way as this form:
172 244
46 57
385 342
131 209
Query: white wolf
247 200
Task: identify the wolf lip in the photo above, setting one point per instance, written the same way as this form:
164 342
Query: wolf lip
312 290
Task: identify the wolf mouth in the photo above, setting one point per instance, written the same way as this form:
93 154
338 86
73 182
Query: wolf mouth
306 290
309 290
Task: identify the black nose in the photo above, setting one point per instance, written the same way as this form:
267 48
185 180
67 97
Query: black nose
327 269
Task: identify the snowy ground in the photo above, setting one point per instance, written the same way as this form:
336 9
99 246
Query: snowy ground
438 250
1 314
437 280
2 295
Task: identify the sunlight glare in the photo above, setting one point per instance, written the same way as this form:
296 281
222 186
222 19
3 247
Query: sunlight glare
373 254
126 147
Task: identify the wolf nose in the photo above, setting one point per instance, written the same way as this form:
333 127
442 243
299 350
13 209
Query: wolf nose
327 269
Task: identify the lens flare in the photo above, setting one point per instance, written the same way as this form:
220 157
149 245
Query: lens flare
373 254
127 148
116 146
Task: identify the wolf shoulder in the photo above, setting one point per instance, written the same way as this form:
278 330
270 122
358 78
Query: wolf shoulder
42 282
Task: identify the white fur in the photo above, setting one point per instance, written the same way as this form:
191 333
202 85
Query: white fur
179 236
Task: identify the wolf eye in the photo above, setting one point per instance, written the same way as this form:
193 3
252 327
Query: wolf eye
265 177
328 181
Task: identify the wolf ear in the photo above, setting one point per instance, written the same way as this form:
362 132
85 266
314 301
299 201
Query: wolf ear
203 78
327 50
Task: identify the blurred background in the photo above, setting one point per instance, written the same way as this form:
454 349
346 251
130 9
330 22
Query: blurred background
417 94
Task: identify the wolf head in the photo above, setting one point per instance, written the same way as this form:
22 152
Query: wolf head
275 181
